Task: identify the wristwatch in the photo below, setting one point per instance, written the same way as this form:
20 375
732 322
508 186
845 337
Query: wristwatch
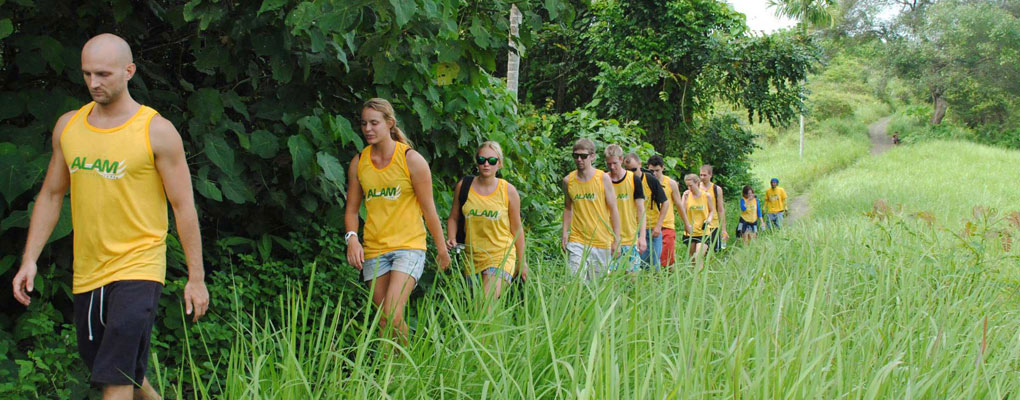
349 235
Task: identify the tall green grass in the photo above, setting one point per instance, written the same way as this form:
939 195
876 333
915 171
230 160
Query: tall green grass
823 154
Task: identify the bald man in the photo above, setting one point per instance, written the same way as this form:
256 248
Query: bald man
122 162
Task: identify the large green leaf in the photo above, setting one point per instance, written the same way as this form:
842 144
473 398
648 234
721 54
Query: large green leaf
270 5
220 153
236 190
206 105
331 169
6 28
403 10
264 144
10 105
346 133
301 152
206 187
15 180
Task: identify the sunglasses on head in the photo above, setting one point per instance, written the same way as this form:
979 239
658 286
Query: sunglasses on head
491 160
581 155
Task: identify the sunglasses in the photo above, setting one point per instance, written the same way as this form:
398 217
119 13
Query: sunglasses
491 160
581 155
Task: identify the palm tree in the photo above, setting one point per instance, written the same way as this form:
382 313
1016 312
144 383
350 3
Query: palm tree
808 12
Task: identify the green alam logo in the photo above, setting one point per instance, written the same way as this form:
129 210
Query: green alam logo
622 196
104 168
487 214
389 193
585 196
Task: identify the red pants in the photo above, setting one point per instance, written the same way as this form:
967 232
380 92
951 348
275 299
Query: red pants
668 247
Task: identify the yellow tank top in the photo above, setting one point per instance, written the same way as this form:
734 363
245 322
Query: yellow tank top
751 213
697 211
488 238
590 223
669 221
118 204
626 206
710 189
394 219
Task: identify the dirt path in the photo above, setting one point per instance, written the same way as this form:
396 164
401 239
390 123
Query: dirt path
880 143
880 140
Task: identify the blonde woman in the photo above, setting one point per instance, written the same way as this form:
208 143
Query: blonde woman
697 210
395 183
494 236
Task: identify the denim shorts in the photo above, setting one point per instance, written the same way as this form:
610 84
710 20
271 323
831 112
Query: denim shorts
628 260
494 271
408 261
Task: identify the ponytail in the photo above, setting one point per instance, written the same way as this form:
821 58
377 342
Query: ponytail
384 106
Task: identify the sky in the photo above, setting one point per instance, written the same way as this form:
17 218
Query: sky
760 17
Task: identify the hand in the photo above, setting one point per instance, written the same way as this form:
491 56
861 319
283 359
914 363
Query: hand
196 298
642 245
355 253
524 271
444 259
657 231
688 229
725 235
24 282
563 243
614 249
451 243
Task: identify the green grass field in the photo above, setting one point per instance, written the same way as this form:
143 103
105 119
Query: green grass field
842 305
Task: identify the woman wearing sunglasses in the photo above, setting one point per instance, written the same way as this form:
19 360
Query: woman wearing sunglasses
494 237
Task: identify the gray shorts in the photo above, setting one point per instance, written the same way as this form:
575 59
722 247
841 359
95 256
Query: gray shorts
409 261
596 260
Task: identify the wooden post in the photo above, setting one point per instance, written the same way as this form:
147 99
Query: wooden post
513 64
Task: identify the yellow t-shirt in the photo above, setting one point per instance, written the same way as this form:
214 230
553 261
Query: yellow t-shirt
394 219
751 213
710 189
626 205
697 212
775 200
590 224
488 239
669 221
118 205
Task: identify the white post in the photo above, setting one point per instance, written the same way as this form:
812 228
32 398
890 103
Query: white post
513 63
802 135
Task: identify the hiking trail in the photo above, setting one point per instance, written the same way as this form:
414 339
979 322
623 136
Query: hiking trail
880 143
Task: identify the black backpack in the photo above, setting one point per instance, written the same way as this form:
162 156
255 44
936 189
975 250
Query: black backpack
465 187
658 195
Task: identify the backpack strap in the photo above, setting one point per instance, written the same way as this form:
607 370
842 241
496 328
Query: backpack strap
465 187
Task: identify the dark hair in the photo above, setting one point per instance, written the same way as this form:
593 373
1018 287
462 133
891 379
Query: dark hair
656 160
747 190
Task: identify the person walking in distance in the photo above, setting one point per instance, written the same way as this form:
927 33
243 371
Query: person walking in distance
395 183
775 205
630 202
657 165
491 211
591 221
122 162
697 209
718 236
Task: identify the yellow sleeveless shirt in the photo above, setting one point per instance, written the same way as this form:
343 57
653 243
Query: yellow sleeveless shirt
488 238
669 221
590 224
118 204
627 207
710 189
697 212
751 213
394 219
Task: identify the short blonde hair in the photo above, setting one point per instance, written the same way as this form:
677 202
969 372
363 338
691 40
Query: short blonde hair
584 144
692 178
494 145
614 150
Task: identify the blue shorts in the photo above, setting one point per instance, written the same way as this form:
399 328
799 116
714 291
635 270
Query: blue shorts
409 261
745 227
629 259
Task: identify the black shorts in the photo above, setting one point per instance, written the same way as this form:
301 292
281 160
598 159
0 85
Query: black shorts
113 324
689 240
713 240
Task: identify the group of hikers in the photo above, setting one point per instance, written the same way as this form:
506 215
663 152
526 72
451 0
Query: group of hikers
123 163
